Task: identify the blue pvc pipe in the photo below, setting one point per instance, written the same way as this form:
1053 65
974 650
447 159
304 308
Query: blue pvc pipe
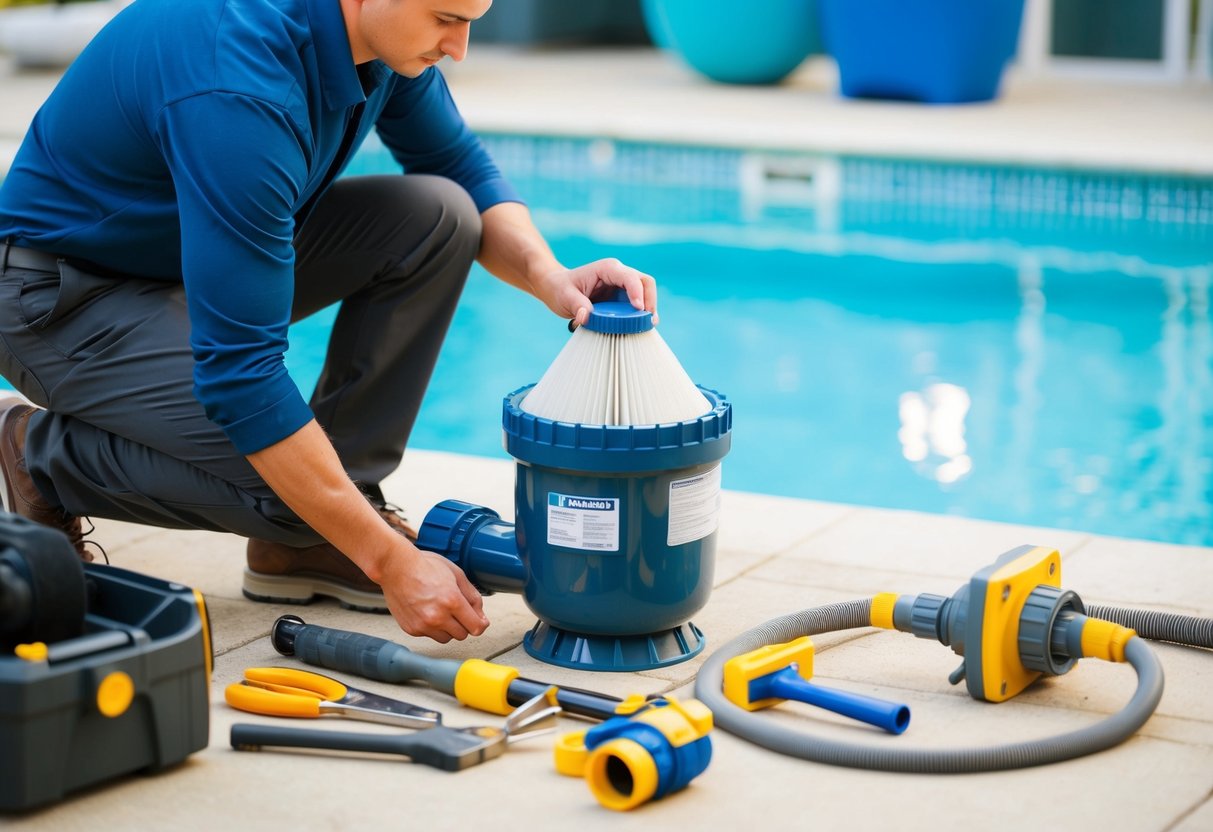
476 540
492 557
788 684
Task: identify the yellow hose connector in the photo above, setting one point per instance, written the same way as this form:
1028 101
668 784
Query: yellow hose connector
882 610
1105 640
622 774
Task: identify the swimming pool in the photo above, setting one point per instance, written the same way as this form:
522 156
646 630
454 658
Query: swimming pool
1031 346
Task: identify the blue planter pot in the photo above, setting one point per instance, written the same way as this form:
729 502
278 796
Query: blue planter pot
753 42
938 51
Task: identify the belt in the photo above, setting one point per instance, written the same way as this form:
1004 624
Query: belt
17 257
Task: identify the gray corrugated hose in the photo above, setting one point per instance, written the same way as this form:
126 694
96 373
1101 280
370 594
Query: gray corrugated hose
1159 626
851 614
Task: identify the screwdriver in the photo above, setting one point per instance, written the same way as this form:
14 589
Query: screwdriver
485 686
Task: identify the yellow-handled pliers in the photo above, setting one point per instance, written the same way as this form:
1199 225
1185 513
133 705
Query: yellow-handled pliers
281 691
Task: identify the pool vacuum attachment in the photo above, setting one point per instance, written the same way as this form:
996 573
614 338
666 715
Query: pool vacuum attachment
771 675
1012 623
617 497
103 672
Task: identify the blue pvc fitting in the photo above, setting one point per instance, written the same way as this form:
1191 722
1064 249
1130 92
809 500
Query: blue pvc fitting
789 684
634 751
476 540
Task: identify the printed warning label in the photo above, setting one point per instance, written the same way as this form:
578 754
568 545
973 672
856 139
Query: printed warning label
694 507
590 523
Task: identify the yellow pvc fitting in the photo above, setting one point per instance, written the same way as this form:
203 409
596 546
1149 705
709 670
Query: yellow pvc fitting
633 703
1105 640
882 610
681 722
570 754
484 686
621 774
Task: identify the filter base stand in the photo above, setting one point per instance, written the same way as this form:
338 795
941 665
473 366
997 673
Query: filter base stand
583 651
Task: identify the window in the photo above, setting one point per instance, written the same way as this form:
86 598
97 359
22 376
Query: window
1121 39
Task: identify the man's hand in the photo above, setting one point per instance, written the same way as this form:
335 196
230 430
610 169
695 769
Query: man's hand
570 292
427 594
430 596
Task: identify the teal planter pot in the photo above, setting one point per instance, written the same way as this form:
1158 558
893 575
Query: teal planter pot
654 23
754 42
936 51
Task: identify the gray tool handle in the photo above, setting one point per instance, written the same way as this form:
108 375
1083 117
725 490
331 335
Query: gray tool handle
444 748
361 655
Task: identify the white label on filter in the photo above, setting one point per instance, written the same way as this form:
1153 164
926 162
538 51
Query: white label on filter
590 523
694 507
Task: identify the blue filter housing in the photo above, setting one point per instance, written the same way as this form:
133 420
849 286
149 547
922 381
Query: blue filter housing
614 541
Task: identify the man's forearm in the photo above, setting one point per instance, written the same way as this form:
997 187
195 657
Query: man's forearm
512 248
304 471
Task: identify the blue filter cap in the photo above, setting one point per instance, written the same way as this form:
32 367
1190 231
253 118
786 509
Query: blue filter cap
617 316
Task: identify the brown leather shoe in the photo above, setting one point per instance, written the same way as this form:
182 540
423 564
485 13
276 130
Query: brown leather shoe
17 489
394 517
284 574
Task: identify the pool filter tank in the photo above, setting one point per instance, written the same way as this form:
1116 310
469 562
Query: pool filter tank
617 500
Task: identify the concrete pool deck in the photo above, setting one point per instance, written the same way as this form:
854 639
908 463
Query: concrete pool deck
775 555
645 94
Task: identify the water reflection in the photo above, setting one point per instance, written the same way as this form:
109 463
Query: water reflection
932 432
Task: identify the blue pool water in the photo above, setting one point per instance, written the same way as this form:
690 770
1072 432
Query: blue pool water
1029 346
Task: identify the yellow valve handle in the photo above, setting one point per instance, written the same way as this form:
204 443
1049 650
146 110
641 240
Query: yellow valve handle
269 703
633 703
296 682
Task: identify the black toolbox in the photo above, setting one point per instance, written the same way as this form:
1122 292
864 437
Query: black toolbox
129 693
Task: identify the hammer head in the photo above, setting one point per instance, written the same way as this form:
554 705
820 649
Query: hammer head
454 749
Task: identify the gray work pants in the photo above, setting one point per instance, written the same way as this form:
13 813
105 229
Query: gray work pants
122 435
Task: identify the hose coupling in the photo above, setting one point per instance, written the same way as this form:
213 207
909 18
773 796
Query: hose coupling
627 761
1050 630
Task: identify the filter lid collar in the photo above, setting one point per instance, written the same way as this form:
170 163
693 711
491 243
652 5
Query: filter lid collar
617 316
617 448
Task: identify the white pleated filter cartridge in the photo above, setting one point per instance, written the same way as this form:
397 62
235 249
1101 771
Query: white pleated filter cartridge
616 370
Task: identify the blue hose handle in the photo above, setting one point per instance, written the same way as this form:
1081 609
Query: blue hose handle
788 684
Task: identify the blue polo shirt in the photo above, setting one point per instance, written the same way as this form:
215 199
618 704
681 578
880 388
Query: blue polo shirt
189 141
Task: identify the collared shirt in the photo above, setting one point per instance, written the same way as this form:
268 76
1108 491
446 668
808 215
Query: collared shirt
189 141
